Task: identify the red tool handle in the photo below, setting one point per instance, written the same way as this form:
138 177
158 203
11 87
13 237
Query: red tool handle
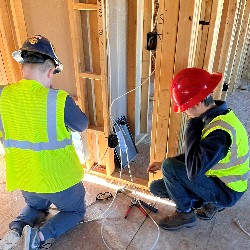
142 210
126 215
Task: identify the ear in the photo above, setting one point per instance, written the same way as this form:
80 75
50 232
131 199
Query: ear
199 104
50 72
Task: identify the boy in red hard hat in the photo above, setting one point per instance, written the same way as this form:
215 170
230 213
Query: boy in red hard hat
213 171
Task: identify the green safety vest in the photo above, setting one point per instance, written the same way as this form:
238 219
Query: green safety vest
39 153
233 169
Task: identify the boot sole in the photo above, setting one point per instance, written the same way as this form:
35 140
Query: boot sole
192 224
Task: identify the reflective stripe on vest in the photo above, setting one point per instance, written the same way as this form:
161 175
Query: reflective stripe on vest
234 160
51 126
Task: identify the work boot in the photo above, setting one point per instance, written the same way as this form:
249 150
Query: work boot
9 240
208 211
179 220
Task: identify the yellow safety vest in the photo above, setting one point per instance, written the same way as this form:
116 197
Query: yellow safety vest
233 169
39 153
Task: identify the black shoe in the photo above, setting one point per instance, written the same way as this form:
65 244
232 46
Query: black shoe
208 211
179 220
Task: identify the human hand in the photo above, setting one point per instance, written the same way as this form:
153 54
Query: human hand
152 168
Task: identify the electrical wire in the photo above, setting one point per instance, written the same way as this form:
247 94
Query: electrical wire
238 223
113 122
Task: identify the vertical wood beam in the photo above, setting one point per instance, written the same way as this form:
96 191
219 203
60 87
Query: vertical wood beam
96 65
8 44
110 165
76 37
167 25
239 49
181 61
214 26
19 22
158 63
233 47
206 9
224 17
244 55
231 21
146 66
131 64
195 38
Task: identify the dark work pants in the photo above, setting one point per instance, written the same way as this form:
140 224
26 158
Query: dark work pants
186 194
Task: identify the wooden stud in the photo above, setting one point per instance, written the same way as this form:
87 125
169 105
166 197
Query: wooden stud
131 64
181 61
220 36
7 44
214 25
19 22
233 48
146 66
195 38
168 21
160 23
90 75
84 6
244 55
239 49
226 41
203 33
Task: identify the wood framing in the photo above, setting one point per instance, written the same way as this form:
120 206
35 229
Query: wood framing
131 64
227 39
239 48
92 83
10 68
168 14
175 139
146 66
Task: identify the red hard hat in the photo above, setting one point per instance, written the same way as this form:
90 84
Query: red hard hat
192 85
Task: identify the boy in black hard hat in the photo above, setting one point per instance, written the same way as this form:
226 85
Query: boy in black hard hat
40 156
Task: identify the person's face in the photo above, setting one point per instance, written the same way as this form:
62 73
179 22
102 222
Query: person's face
194 111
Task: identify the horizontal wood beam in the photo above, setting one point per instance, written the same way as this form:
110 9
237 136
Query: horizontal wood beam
84 6
90 75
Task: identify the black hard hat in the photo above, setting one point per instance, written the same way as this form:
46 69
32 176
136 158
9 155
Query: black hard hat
37 49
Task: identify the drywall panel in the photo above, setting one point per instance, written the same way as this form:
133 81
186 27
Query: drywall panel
117 50
51 19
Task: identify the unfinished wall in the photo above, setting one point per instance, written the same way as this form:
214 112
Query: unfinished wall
51 19
117 50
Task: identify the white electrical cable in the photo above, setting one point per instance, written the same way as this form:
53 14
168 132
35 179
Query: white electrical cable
120 128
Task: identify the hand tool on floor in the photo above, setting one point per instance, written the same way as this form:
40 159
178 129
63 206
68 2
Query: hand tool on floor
101 197
135 202
143 203
146 205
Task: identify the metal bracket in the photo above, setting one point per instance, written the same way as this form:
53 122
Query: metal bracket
203 22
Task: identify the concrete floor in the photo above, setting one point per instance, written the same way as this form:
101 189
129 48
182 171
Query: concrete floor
137 232
112 231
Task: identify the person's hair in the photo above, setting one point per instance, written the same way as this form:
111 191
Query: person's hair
208 101
43 67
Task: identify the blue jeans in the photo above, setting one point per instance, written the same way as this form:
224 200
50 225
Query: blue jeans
176 186
70 203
